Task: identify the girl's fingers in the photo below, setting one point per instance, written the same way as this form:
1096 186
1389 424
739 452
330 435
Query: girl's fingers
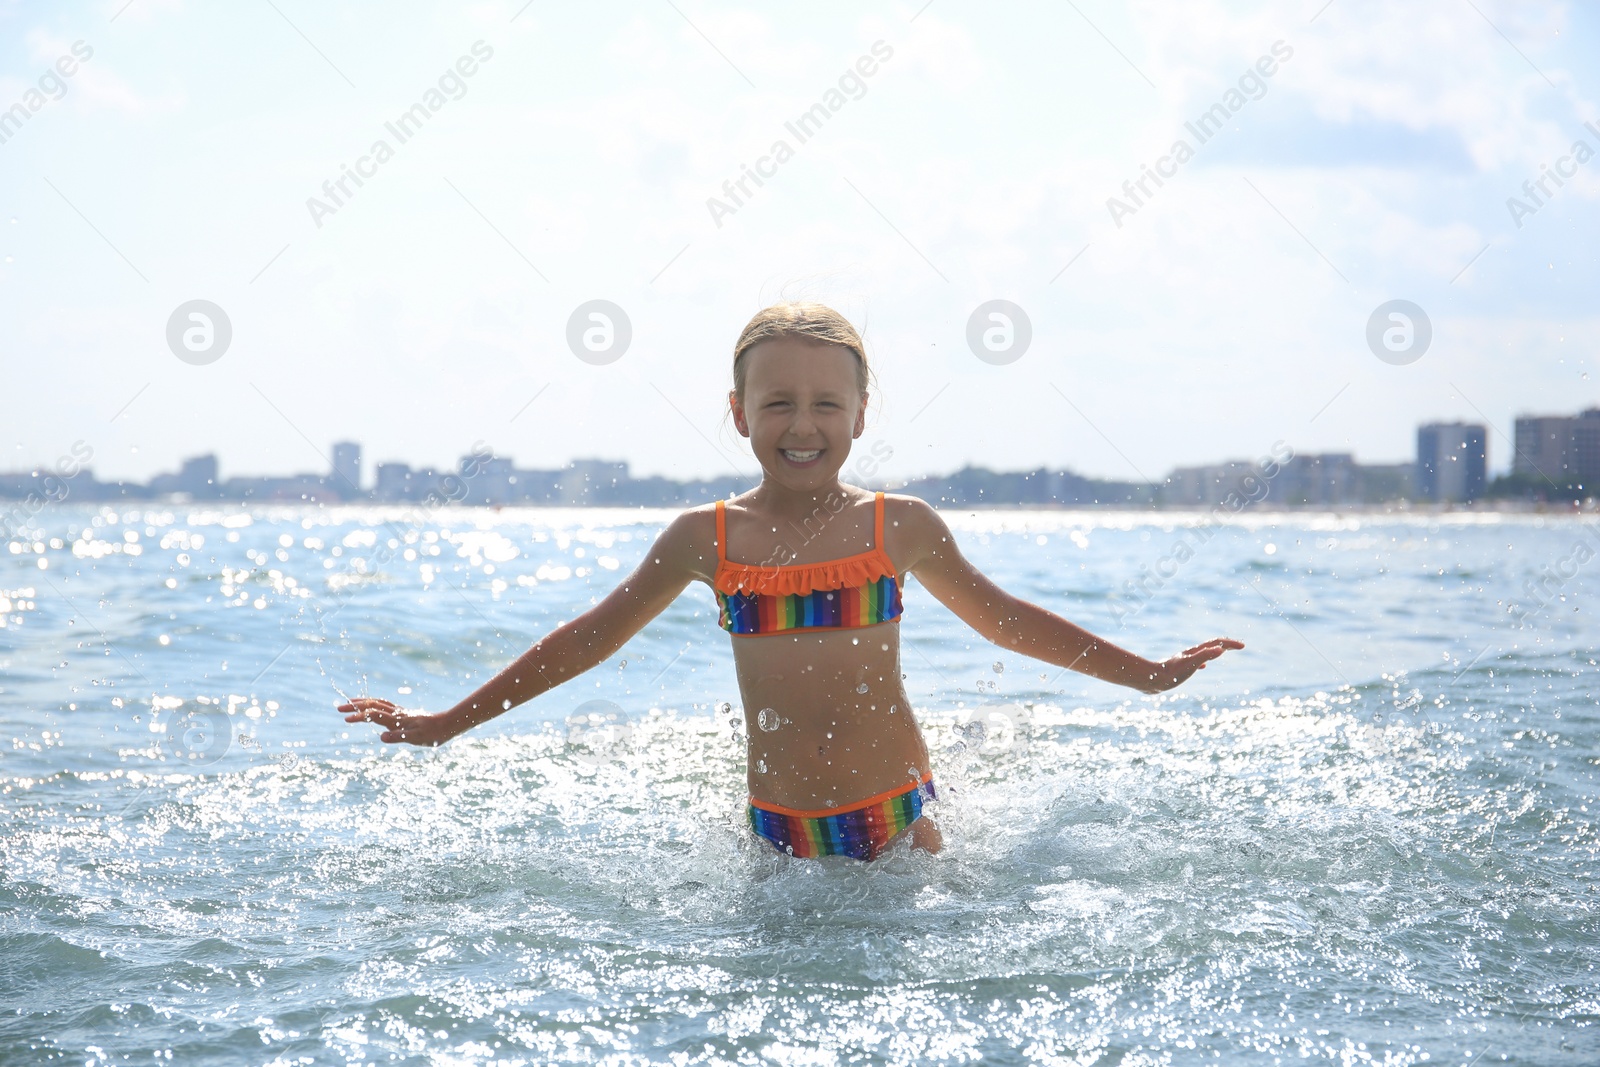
366 703
390 717
394 719
1217 645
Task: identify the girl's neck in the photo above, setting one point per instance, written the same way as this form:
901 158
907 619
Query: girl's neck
782 502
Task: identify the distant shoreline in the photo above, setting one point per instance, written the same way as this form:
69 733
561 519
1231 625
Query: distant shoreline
1495 507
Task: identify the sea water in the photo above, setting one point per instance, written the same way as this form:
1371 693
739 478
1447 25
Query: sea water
1370 837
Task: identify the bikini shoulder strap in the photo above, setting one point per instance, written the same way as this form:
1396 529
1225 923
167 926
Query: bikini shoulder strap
877 516
722 532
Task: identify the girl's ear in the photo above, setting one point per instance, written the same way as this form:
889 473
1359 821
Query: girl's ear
737 408
861 418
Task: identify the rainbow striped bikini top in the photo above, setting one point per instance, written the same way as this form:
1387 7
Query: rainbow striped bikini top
756 600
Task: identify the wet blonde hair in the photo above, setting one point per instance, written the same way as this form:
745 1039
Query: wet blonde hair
807 321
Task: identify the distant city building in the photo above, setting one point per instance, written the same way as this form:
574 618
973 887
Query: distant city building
1451 465
1452 461
593 481
975 486
295 489
1381 483
1562 449
197 478
486 481
1317 481
1211 484
392 482
347 469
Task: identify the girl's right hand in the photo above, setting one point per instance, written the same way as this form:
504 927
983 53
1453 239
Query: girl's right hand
412 727
1173 672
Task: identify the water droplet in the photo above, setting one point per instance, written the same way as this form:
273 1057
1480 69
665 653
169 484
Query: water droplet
761 766
855 640
724 708
999 668
830 803
862 688
624 664
768 720
830 733
912 771
974 731
893 709
884 646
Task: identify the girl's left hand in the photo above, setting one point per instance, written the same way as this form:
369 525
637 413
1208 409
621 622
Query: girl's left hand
1173 672
412 727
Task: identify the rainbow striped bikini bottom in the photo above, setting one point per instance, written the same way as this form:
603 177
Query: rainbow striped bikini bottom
861 831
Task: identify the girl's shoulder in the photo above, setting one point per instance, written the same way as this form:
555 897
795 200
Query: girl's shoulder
689 541
913 530
911 512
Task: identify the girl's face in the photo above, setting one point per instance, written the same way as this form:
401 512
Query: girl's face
801 409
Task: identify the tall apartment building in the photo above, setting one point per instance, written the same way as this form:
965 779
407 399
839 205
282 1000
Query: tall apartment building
347 469
1452 461
1562 448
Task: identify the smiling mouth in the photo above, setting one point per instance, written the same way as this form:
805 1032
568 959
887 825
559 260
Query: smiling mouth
800 457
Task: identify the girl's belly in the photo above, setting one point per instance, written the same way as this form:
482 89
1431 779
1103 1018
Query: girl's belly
827 717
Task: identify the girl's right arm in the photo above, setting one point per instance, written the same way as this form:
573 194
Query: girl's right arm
678 557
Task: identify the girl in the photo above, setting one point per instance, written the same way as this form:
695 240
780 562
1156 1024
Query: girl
837 763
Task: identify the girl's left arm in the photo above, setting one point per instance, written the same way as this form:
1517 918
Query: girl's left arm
925 542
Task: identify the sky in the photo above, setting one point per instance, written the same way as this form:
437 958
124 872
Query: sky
992 153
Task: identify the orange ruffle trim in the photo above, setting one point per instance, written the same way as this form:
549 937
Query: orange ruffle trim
770 580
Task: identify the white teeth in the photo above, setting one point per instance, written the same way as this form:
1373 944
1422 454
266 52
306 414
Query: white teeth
802 457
